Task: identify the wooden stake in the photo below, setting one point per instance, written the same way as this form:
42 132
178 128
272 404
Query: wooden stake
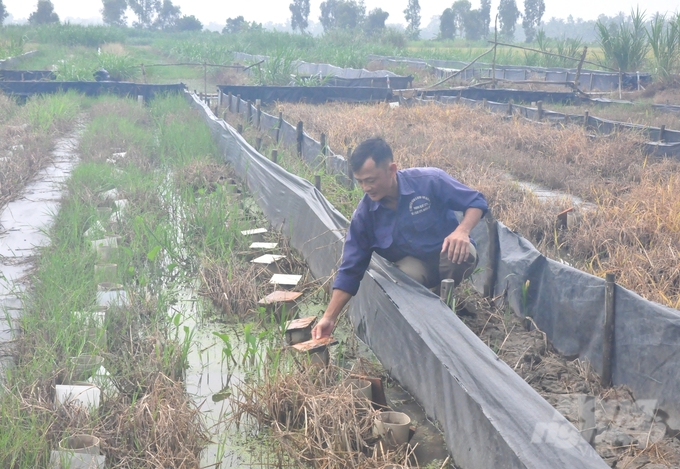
300 137
662 131
258 143
324 148
608 336
580 64
275 156
205 78
317 182
258 115
585 119
350 173
249 112
143 73
510 107
229 101
239 129
539 107
446 291
238 103
278 127
494 251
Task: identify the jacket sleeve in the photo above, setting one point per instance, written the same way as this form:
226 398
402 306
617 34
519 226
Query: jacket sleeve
457 196
356 255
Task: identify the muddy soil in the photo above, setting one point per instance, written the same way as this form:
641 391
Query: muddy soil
626 433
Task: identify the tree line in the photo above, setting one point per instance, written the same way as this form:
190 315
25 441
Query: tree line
150 14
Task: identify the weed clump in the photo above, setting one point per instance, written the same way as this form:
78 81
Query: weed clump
317 418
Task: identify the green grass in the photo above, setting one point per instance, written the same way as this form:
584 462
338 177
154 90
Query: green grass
63 282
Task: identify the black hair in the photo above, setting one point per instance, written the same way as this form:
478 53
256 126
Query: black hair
374 147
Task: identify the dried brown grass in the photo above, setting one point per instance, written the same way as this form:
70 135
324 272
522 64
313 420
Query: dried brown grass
317 420
633 230
24 150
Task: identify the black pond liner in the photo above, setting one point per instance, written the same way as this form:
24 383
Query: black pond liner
308 94
491 417
27 75
24 89
506 95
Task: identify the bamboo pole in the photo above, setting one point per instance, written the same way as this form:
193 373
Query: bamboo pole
552 54
495 46
461 70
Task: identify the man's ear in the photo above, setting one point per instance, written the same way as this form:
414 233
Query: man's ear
393 168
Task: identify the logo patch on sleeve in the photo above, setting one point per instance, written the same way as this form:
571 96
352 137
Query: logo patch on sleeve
419 204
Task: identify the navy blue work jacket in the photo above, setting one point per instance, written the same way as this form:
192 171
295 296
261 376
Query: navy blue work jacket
424 216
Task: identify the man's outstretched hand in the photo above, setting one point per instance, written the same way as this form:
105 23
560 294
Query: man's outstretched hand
323 328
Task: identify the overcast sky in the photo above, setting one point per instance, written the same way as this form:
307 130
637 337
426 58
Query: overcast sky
277 10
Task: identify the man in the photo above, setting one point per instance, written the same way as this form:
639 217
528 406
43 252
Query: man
407 217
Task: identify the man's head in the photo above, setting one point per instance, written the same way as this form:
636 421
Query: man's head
374 168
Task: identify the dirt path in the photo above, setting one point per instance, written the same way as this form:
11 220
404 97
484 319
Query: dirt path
23 224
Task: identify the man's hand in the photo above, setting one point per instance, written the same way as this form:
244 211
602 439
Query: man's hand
326 324
457 245
323 328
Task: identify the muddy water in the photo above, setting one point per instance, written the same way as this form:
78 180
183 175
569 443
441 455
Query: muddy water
549 195
209 382
23 226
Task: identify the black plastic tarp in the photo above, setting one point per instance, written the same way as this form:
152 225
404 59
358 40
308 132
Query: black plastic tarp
89 88
505 95
568 305
491 417
287 133
307 94
26 75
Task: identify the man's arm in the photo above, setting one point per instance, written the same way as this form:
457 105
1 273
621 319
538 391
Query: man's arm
356 255
457 196
457 244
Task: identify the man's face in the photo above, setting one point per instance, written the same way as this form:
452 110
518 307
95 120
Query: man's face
376 181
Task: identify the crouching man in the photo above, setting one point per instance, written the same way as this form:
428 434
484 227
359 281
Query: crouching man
406 216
